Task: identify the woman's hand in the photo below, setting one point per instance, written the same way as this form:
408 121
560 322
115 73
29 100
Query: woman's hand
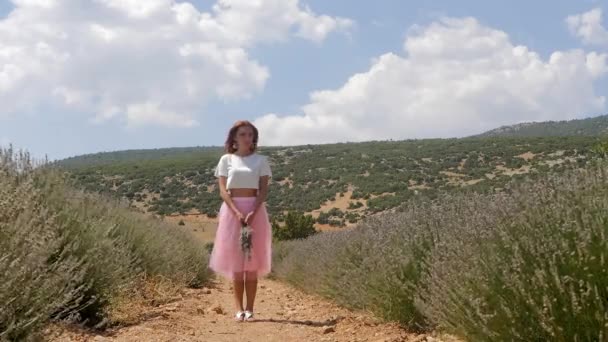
239 215
249 217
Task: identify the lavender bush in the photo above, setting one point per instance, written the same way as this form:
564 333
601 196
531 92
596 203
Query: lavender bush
375 267
528 264
539 273
67 255
38 276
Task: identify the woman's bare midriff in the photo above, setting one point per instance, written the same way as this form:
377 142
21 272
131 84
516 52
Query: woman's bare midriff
241 192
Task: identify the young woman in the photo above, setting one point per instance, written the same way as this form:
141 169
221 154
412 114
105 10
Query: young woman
243 182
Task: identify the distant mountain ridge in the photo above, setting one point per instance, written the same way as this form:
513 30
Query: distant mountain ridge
591 126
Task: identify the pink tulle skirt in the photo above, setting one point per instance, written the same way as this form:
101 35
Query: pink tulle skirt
227 258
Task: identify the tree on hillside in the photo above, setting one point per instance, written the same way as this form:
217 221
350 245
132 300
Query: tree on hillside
297 226
601 149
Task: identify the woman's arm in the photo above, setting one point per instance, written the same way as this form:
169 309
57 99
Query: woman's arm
259 199
225 195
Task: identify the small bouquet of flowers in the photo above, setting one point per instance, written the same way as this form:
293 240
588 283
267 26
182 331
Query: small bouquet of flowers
245 240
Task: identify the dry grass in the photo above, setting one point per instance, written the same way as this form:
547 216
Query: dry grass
526 156
452 174
199 225
510 172
130 305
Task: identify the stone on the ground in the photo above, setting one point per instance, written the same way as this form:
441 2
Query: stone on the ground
218 309
327 330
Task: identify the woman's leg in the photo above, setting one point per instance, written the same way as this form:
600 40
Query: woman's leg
238 290
251 286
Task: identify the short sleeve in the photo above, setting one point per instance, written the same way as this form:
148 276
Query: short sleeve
265 167
222 167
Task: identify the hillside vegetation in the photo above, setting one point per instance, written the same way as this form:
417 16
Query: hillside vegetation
337 183
592 126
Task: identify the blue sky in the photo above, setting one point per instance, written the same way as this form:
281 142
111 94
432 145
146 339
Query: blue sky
410 57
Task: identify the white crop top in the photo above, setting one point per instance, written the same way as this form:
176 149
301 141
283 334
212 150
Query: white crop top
243 172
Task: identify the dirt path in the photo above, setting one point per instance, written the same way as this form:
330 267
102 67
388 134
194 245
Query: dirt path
282 314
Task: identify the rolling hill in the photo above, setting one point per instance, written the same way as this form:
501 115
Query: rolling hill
592 126
337 183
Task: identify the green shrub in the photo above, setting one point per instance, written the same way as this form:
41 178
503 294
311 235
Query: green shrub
297 226
601 149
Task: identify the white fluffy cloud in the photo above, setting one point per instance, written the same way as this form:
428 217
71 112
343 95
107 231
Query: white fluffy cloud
455 78
142 62
588 27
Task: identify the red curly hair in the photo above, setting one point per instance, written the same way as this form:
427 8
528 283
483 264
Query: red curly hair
230 140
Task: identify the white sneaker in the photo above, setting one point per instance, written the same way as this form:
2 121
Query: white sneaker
248 315
239 316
